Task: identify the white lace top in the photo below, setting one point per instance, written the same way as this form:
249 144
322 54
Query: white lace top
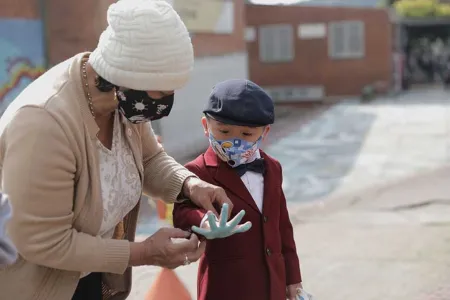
119 177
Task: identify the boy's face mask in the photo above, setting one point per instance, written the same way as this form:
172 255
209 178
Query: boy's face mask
235 151
139 107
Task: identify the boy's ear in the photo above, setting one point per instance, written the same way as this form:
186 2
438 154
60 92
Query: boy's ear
266 132
205 126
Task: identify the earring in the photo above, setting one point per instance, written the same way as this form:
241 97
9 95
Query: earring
115 95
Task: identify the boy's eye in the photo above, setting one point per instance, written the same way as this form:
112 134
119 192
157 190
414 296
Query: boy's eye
223 131
247 134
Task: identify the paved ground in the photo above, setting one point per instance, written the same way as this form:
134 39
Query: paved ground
379 225
352 146
392 243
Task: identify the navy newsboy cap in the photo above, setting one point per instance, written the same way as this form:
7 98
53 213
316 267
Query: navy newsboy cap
240 102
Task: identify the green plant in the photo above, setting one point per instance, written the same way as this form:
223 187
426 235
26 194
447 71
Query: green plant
443 10
422 8
416 8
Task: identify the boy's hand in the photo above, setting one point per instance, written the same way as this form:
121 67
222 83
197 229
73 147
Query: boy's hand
215 228
292 291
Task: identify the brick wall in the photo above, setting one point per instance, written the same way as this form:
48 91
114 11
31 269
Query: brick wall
312 65
19 9
219 44
74 26
70 26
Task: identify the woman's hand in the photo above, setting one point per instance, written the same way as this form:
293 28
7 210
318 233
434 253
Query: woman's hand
204 194
292 291
160 250
214 228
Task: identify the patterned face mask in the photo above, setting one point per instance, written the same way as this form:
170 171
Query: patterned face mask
235 151
139 107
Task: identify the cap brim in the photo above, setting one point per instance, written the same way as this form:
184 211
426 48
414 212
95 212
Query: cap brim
233 122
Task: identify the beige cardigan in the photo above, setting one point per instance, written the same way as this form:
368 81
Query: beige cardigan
50 172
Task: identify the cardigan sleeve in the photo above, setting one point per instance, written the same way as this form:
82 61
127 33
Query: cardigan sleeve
39 176
186 214
163 176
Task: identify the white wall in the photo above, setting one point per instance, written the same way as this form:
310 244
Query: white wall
181 131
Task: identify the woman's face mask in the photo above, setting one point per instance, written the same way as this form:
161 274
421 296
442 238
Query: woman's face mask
139 107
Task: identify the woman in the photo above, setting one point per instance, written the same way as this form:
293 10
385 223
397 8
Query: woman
77 150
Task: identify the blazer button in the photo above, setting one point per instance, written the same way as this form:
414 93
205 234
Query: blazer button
265 219
268 252
129 132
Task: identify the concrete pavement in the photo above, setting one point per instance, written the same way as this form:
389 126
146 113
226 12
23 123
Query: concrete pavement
352 146
392 243
369 199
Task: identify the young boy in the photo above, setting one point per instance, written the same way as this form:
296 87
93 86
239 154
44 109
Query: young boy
261 263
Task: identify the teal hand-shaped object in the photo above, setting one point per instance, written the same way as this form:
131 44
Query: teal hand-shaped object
221 228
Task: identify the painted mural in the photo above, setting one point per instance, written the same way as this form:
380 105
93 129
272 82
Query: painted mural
22 56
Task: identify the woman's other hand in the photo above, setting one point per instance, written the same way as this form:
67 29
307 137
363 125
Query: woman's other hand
160 250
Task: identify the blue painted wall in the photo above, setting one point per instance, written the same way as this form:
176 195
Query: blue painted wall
22 57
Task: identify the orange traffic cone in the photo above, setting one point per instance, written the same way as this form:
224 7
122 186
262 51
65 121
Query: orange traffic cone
162 209
168 286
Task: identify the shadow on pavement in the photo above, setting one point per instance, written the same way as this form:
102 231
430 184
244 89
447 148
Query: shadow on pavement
317 155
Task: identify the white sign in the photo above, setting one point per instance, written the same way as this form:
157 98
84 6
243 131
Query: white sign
206 16
295 93
312 31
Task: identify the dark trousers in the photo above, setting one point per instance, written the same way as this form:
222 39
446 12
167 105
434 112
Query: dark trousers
89 288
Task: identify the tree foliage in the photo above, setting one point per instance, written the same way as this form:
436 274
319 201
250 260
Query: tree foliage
422 8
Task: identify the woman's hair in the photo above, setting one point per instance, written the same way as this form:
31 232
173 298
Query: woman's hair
104 85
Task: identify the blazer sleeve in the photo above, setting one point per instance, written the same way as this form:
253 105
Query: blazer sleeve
39 176
163 176
291 261
186 214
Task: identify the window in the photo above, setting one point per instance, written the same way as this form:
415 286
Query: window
276 43
346 39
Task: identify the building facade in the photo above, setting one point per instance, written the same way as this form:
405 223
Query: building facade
37 34
301 53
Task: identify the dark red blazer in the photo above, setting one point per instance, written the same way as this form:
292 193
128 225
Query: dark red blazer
258 264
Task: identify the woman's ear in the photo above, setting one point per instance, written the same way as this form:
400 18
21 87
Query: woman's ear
205 126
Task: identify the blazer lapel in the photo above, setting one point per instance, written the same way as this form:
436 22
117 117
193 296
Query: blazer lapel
228 178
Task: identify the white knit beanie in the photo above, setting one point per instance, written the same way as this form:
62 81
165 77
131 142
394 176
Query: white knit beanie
146 47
